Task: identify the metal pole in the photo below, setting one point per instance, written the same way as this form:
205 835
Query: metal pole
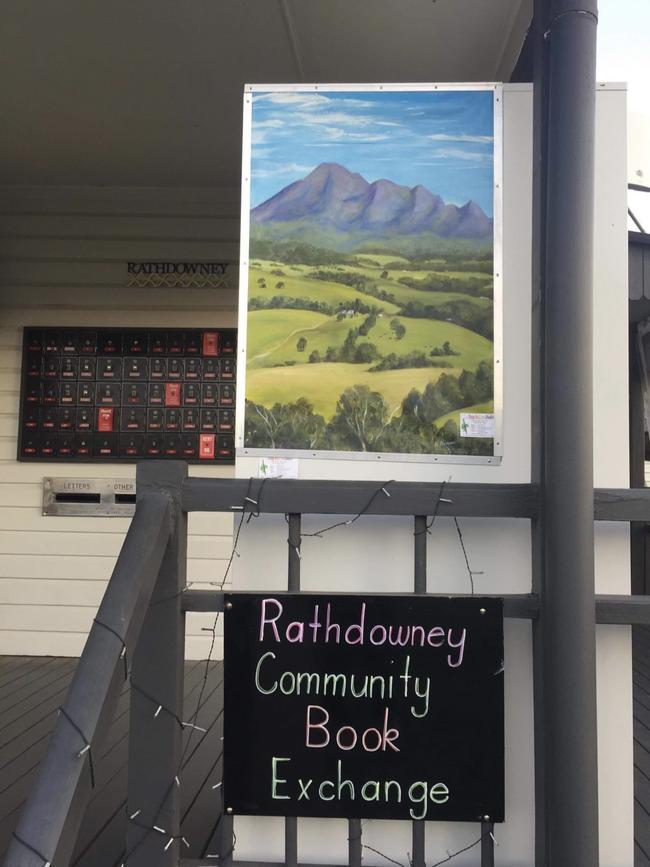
568 603
418 829
293 586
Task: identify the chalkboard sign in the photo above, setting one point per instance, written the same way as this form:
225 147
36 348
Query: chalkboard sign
364 706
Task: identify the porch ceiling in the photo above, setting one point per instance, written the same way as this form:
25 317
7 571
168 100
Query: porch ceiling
148 93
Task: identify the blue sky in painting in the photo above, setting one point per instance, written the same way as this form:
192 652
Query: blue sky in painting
440 139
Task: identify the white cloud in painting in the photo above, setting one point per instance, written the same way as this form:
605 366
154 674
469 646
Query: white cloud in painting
288 169
291 98
476 139
310 99
335 117
458 154
271 123
336 134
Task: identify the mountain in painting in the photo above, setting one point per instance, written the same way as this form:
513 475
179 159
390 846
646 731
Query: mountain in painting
332 197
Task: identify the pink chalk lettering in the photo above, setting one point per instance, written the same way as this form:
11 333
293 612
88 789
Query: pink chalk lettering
271 621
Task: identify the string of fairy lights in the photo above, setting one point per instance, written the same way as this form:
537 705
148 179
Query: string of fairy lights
249 509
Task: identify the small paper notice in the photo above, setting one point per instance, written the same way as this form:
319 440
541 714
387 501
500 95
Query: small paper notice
477 424
278 468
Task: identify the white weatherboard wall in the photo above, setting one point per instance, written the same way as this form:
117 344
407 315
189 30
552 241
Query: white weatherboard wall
63 255
376 554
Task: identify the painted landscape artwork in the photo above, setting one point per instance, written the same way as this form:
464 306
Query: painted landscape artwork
370 319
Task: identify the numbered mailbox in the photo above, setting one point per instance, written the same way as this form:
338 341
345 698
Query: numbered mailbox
66 445
108 393
83 445
209 420
156 394
192 368
173 419
136 343
69 367
207 446
51 367
210 343
70 342
190 420
189 445
107 419
155 418
86 393
136 368
51 393
227 395
226 447
227 343
33 392
68 394
52 342
134 419
33 340
87 367
49 417
193 342
210 369
227 369
172 394
226 421
158 368
106 445
175 343
134 394
153 445
48 445
191 394
34 366
30 445
31 417
172 445
109 342
209 394
109 368
132 446
175 368
88 343
84 418
158 343
67 416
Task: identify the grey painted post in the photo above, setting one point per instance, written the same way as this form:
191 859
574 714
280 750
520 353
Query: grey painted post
540 126
293 586
418 829
568 603
156 736
487 844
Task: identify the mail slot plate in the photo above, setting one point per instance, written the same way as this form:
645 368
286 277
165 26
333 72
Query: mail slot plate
98 498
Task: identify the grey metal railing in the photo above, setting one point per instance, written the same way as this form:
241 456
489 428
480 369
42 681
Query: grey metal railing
139 629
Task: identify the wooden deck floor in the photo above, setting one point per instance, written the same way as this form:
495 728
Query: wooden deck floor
31 690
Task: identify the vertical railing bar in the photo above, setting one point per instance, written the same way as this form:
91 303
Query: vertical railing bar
418 829
226 839
293 586
354 842
487 844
